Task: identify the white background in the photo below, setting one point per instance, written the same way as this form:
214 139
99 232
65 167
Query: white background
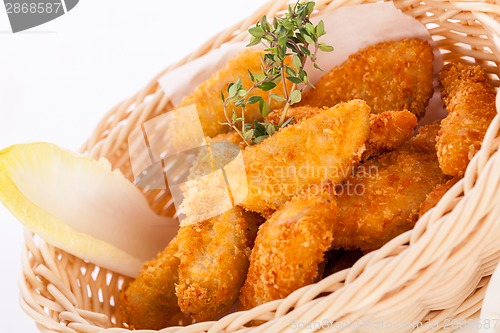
58 79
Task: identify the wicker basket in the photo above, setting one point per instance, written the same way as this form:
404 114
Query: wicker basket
428 276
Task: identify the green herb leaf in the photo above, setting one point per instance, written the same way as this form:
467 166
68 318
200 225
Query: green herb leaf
254 41
257 32
320 29
308 39
265 86
277 97
295 96
290 71
270 129
260 138
296 62
254 99
325 48
233 89
265 108
310 29
294 79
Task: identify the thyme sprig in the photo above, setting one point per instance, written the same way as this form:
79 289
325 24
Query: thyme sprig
291 36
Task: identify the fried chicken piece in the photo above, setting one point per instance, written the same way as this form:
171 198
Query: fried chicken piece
338 260
388 76
149 302
437 193
298 113
382 198
216 155
470 102
290 247
323 147
207 96
214 258
388 130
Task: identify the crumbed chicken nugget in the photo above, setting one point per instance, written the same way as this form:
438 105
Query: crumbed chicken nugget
290 247
388 76
215 155
214 257
437 193
323 147
382 198
297 113
470 102
388 130
207 96
149 302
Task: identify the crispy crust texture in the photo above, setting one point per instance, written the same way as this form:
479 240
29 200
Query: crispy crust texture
214 258
290 247
388 76
437 193
207 96
149 302
382 198
470 102
323 147
388 130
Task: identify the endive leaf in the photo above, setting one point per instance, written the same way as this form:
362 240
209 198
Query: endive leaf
81 206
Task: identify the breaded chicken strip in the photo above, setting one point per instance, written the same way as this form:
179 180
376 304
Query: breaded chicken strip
290 247
388 76
149 302
382 198
323 147
470 102
207 97
388 130
437 193
214 257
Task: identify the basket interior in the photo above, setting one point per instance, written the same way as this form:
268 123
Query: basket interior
54 281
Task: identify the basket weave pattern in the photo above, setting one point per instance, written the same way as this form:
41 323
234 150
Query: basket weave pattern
436 272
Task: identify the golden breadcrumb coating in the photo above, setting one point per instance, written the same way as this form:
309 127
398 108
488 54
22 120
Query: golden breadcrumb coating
388 76
214 257
323 147
382 198
437 193
425 140
290 247
298 113
149 302
388 130
470 102
207 96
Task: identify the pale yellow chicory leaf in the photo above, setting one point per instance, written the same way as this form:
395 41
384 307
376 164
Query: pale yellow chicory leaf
81 206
